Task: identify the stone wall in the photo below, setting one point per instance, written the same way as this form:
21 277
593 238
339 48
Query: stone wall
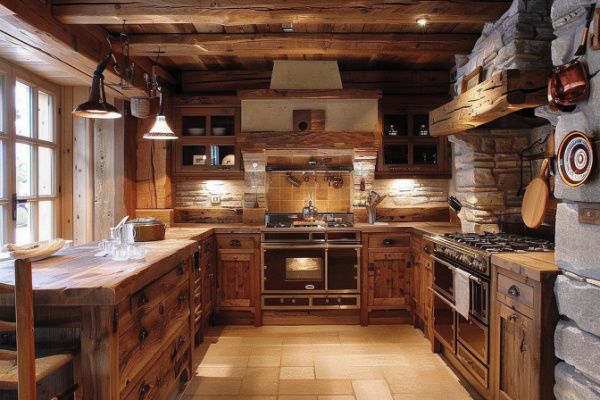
577 338
519 39
487 175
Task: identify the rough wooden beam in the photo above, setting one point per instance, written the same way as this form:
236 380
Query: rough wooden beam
247 12
390 81
309 94
275 44
502 94
76 49
308 140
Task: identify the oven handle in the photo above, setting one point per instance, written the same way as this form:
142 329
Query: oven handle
438 295
475 279
280 246
443 262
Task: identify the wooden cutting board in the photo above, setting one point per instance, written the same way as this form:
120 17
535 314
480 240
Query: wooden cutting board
535 199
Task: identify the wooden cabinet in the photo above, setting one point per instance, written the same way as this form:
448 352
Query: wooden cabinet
386 278
523 323
421 281
237 282
407 150
154 336
516 375
207 145
204 285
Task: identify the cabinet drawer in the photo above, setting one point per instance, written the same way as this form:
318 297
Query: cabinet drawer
387 240
235 257
285 302
150 296
142 340
335 302
163 375
513 290
235 242
474 366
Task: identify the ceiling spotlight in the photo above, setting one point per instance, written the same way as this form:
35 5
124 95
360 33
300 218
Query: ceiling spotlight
287 27
423 21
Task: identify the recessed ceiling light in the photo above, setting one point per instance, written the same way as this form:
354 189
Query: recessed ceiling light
422 21
287 27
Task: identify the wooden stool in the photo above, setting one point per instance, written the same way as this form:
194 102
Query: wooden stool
45 378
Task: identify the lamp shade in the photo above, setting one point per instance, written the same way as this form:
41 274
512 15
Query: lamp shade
96 106
160 130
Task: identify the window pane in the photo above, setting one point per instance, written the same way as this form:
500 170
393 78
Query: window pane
3 226
24 168
46 220
2 109
45 171
24 223
23 122
45 117
3 170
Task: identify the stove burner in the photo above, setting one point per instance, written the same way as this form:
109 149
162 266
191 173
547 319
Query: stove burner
279 225
501 242
339 225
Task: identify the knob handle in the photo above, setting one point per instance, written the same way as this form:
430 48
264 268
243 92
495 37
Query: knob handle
388 242
143 299
513 291
235 243
143 334
144 389
512 317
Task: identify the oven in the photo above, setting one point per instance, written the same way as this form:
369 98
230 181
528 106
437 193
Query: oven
294 269
443 278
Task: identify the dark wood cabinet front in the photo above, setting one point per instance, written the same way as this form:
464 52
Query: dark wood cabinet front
389 280
235 275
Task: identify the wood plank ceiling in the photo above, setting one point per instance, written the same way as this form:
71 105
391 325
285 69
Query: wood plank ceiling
217 35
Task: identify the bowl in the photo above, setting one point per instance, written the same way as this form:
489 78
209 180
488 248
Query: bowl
228 160
195 131
219 131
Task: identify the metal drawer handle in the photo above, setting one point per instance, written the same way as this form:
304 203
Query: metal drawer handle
512 317
182 299
514 291
143 334
235 243
388 242
180 342
143 299
144 389
426 248
179 270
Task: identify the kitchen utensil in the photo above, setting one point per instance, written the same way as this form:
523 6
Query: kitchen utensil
535 199
569 83
195 131
294 181
228 160
35 251
455 203
575 158
144 230
219 131
373 200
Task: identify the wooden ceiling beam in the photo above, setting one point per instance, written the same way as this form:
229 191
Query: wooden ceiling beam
250 12
288 44
71 48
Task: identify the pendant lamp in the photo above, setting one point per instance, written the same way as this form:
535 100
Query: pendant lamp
161 129
96 106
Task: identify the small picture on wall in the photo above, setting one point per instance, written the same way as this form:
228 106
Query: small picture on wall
199 159
472 79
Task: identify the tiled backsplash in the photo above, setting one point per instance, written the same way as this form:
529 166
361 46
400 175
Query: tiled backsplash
282 196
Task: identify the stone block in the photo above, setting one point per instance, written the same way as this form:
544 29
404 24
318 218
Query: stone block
503 145
578 348
578 300
573 385
577 248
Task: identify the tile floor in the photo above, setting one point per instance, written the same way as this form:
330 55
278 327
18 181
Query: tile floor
320 363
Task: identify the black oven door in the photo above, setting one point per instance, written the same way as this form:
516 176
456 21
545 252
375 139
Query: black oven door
293 269
443 278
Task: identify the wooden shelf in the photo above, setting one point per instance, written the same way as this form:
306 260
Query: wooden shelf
504 93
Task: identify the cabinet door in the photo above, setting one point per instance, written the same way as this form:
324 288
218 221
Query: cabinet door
516 372
426 298
235 279
415 283
389 280
209 284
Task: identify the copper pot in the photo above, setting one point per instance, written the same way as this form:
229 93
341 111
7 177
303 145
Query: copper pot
568 85
146 229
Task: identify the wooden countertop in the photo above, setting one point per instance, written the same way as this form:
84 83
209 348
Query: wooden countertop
534 265
201 231
74 276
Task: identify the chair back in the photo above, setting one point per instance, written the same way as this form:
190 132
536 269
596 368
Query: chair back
23 326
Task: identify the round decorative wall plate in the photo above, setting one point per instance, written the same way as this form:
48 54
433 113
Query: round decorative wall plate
575 158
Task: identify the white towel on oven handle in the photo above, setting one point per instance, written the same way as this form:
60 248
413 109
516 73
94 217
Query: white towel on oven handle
462 292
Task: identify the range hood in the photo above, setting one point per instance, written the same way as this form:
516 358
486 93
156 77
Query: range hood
305 75
309 160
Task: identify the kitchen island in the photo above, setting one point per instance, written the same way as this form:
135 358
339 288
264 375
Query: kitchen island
131 315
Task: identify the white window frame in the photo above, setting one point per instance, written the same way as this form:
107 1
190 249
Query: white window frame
11 75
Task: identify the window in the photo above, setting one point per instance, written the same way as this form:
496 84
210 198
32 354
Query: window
28 161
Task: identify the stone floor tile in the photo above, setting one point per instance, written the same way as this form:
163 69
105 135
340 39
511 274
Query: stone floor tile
376 389
297 373
264 361
315 387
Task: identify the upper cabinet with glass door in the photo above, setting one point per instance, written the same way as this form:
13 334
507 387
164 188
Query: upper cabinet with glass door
408 150
207 142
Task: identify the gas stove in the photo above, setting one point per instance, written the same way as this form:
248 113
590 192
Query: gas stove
473 252
294 220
